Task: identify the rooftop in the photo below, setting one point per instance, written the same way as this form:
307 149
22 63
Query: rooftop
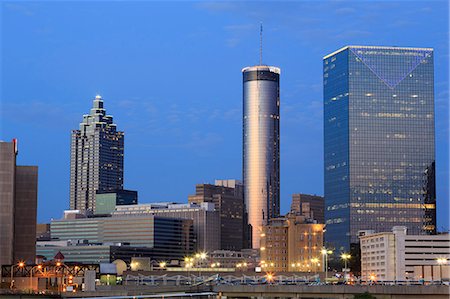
378 48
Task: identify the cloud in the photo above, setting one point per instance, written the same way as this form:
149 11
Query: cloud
238 32
20 8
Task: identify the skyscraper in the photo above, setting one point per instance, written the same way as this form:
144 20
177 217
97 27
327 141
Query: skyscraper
379 141
18 206
96 161
229 203
261 146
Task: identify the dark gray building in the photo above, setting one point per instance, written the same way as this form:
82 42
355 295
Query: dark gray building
312 206
379 144
18 206
96 161
261 146
229 203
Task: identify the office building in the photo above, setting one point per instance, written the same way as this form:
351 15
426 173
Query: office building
136 230
229 203
96 158
292 243
18 207
395 255
261 146
206 220
311 206
106 202
379 147
106 253
166 237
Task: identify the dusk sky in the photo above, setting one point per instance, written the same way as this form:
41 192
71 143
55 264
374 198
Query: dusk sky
170 74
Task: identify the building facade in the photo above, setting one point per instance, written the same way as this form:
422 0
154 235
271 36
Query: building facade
106 202
395 255
311 206
261 146
18 207
206 220
229 202
96 158
292 244
379 147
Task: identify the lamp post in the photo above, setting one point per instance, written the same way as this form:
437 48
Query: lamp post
441 261
20 265
31 275
345 257
325 252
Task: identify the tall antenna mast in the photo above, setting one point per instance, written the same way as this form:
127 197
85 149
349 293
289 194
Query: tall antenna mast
260 44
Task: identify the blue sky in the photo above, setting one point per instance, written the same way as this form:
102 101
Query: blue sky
170 74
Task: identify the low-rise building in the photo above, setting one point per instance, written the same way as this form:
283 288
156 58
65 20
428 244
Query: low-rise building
245 259
162 237
391 256
292 243
206 220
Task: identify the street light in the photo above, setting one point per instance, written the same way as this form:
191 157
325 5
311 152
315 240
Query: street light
162 265
441 261
345 257
20 265
31 275
269 277
325 252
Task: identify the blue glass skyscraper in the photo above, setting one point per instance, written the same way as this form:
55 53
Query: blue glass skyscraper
379 147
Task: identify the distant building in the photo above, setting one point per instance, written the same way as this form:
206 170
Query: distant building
106 202
43 231
96 158
291 243
105 253
229 202
169 237
388 256
18 207
311 206
246 259
206 220
261 146
379 142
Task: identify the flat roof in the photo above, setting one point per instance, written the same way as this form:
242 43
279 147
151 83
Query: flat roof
376 47
272 69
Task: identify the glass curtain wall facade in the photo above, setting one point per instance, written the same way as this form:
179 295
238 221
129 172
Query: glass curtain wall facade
261 146
96 158
379 147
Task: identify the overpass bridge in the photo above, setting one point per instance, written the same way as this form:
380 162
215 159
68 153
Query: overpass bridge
332 291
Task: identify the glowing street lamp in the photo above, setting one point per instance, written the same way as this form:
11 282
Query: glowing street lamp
31 275
20 265
325 252
269 277
345 257
162 265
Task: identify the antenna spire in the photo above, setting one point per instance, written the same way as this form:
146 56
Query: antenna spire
260 43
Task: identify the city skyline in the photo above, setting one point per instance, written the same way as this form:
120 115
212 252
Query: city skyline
154 153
